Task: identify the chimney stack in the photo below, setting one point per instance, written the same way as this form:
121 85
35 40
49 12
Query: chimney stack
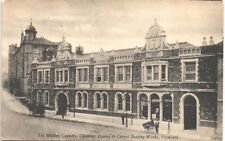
211 42
204 43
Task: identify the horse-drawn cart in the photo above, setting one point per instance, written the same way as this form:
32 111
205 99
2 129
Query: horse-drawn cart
37 110
149 125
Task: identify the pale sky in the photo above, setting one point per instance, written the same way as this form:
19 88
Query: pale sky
110 24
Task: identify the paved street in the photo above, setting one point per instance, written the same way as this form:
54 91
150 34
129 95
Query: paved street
17 124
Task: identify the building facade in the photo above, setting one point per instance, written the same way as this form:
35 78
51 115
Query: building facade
177 83
21 57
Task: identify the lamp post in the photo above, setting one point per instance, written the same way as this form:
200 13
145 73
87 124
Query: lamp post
74 106
126 118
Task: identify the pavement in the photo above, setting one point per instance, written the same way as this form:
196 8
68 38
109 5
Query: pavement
136 124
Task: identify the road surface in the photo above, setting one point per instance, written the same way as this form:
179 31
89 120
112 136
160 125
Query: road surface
16 124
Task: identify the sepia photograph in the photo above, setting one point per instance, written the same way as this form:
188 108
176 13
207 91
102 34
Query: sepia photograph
108 70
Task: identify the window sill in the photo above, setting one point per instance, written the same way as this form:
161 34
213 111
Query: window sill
189 81
154 83
61 84
127 82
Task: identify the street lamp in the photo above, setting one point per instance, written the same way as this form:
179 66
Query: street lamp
74 106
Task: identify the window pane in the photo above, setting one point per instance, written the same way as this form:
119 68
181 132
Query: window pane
85 100
156 72
104 101
80 100
120 102
46 76
163 72
98 75
190 66
57 76
149 72
39 76
127 73
66 75
127 102
105 74
85 74
190 70
120 73
98 101
61 76
190 76
79 74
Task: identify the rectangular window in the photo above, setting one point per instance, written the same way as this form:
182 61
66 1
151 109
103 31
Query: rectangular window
190 70
46 76
105 74
85 72
163 72
149 73
79 74
98 75
39 76
57 76
120 73
127 73
156 72
66 75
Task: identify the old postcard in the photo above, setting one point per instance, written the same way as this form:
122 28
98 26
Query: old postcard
129 70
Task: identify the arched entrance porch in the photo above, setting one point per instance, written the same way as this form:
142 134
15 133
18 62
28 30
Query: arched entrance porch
61 101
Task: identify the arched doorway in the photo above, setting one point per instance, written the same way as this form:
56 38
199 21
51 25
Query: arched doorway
143 106
190 120
61 101
167 108
155 106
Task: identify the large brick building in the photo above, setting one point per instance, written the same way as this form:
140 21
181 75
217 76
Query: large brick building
178 83
21 57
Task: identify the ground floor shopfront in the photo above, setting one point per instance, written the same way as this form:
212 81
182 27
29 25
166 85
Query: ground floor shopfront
190 110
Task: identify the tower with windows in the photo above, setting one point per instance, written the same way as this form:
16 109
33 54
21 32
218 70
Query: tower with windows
30 32
155 38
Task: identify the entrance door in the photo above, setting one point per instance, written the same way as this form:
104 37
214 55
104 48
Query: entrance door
189 113
144 106
62 104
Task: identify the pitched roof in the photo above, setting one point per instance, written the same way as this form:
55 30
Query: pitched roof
42 41
182 44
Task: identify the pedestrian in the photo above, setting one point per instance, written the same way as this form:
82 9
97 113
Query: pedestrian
122 117
157 113
157 126
30 107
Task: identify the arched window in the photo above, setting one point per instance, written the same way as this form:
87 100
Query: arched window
85 100
46 98
120 102
79 99
144 106
39 98
127 99
167 108
104 96
155 106
98 100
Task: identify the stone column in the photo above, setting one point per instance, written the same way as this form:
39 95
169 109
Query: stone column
102 100
149 108
130 102
82 104
124 103
160 108
138 108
